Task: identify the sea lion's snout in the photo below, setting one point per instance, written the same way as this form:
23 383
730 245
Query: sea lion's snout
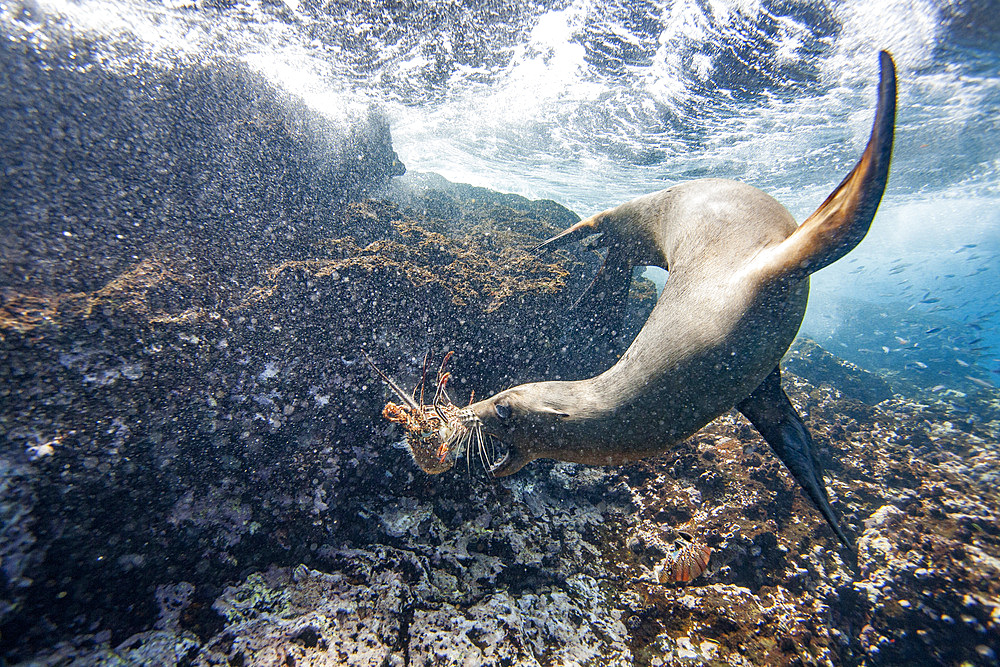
498 413
497 419
509 423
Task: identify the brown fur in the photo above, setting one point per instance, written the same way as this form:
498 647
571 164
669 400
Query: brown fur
735 297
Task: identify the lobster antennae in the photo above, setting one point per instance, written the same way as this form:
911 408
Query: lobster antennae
440 389
423 377
442 379
410 403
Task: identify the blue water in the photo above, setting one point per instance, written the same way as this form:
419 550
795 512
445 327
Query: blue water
591 103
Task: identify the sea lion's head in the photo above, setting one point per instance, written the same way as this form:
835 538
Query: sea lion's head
519 418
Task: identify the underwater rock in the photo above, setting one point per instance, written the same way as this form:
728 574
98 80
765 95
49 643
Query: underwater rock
20 554
470 209
103 163
807 359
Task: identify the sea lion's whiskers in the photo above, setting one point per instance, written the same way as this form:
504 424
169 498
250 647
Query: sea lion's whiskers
739 267
473 443
465 445
482 455
493 451
468 465
481 444
675 378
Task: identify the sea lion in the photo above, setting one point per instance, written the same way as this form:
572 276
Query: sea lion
736 293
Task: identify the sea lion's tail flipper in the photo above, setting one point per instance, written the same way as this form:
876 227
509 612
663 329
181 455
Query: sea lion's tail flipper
841 221
773 415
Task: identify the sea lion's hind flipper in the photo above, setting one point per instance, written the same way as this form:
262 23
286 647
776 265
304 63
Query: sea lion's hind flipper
774 417
841 221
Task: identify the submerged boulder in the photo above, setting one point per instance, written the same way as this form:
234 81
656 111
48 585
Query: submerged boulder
106 160
807 359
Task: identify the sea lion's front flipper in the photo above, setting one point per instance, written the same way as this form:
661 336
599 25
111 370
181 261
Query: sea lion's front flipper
604 301
841 221
575 232
773 415
608 292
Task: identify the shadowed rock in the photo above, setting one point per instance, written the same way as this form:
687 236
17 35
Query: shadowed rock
807 359
102 165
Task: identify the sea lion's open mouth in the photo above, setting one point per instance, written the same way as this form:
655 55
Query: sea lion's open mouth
496 468
509 462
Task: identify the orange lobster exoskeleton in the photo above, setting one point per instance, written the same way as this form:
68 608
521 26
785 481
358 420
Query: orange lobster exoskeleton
436 433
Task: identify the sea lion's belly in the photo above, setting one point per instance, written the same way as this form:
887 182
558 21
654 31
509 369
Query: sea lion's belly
701 352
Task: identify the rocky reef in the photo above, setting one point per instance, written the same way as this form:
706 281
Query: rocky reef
209 482
146 433
197 499
110 156
193 469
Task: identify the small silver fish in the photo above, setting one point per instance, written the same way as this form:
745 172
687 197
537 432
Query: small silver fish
982 383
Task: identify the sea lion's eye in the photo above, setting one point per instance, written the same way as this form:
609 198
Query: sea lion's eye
503 410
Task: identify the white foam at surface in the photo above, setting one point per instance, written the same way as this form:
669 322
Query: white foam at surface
548 124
